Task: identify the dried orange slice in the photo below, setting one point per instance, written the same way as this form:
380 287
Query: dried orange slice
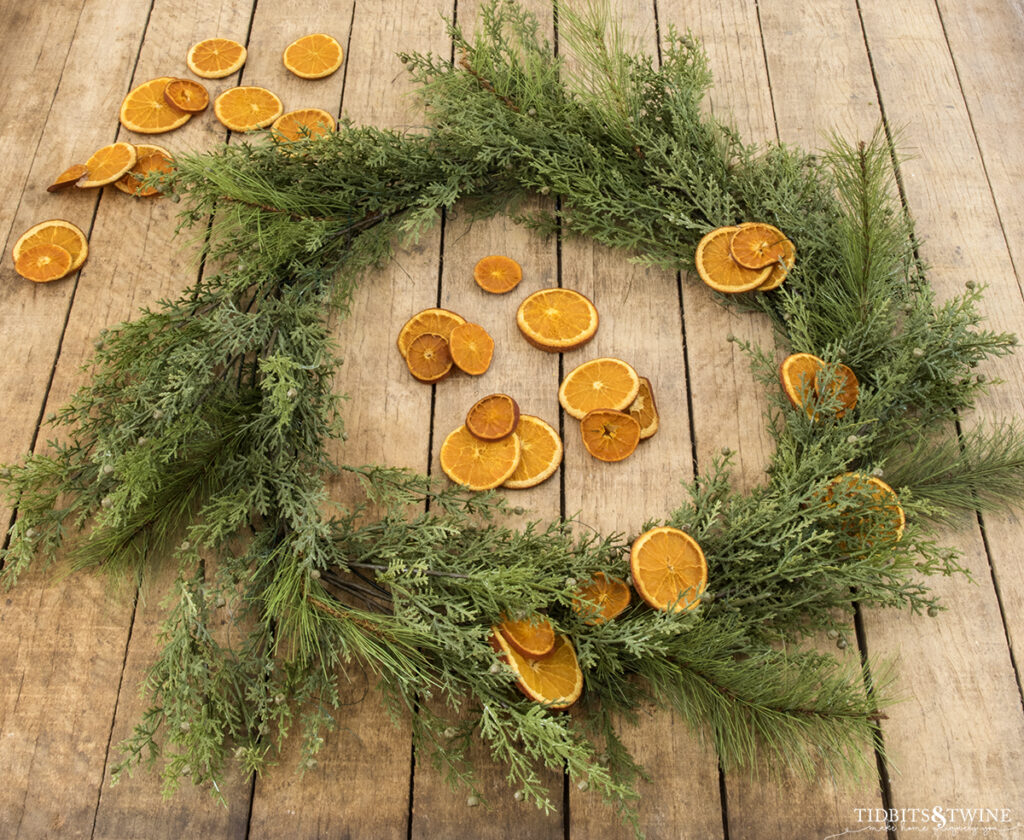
479 464
644 409
599 383
493 417
886 520
313 56
303 123
719 270
780 270
602 599
186 95
428 358
554 680
107 164
841 385
541 453
68 177
43 263
145 111
55 232
534 636
497 274
669 570
756 245
799 375
215 58
472 348
150 159
609 435
438 321
247 108
557 319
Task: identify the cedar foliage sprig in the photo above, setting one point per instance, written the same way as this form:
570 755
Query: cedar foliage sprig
201 439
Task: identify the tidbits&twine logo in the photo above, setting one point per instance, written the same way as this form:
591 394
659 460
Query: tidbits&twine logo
980 821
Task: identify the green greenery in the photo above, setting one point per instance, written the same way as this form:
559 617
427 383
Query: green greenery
200 440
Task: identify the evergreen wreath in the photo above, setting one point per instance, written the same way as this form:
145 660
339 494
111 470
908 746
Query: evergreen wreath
200 440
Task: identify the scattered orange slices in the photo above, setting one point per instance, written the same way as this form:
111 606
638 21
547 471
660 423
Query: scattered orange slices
145 111
668 568
479 464
215 58
313 56
247 108
493 417
303 123
186 95
600 383
150 159
497 274
602 599
609 435
557 320
107 164
744 257
534 636
540 453
54 232
554 680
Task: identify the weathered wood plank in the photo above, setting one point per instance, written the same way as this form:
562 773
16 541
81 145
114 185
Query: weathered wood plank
361 785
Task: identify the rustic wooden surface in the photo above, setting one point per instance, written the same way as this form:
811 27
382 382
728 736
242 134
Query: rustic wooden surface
947 74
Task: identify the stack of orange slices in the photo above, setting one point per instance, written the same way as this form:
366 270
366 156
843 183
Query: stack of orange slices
50 250
434 340
745 257
543 662
123 165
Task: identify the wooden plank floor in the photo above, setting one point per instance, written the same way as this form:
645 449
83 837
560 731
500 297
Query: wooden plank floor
948 74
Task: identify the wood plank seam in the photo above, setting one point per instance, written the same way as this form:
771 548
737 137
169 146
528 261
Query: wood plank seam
767 68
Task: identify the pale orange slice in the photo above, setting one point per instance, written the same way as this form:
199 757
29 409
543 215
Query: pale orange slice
602 599
756 245
145 111
107 164
541 453
150 159
669 570
187 95
599 383
719 270
303 123
557 320
313 56
472 348
215 58
644 409
55 232
609 435
68 178
493 417
247 108
497 274
780 270
437 321
43 263
479 464
428 358
534 636
554 680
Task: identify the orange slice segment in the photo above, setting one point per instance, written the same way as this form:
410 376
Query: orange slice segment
438 321
719 270
428 358
472 348
534 636
669 570
541 453
599 383
55 232
493 417
67 178
756 245
554 680
609 435
602 599
303 123
557 319
497 274
145 111
43 263
479 464
150 159
780 270
186 95
644 409
215 58
107 164
799 376
313 56
247 108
